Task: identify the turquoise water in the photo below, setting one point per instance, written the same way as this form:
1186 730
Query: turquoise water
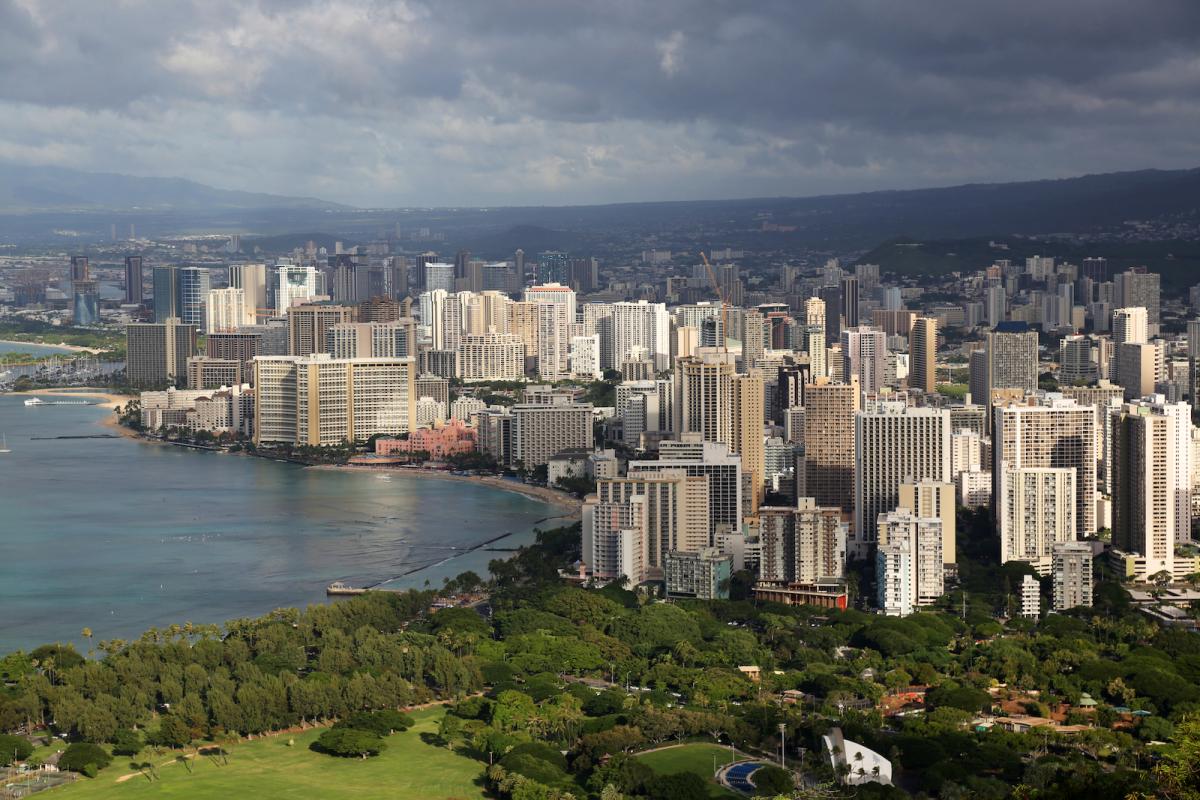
119 535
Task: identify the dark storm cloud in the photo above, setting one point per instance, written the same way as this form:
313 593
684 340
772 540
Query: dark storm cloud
486 102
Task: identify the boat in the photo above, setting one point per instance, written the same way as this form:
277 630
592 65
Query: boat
341 589
4 444
37 401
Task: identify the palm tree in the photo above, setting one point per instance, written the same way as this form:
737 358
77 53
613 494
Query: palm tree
47 666
685 652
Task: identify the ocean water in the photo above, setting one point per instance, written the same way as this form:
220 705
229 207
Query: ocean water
119 535
31 349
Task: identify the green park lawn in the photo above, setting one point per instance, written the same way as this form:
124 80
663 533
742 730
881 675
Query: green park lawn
696 757
409 769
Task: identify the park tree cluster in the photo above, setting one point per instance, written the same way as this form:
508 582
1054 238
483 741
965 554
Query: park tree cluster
559 690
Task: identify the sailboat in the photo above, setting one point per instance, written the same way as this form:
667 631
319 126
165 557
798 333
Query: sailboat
4 444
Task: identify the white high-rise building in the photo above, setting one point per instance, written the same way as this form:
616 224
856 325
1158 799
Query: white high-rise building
584 357
1048 431
895 444
487 312
1076 360
814 345
553 342
909 569
615 538
322 401
864 353
541 431
996 302
1151 470
1139 288
644 407
704 391
463 408
1039 267
439 275
814 313
966 452
803 544
676 510
1072 575
934 500
454 321
554 293
711 460
431 306
693 316
252 280
295 285
552 318
1031 598
445 316
645 325
372 339
429 412
491 357
225 310
1130 326
1037 507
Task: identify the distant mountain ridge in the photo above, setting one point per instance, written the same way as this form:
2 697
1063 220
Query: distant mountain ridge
49 203
40 188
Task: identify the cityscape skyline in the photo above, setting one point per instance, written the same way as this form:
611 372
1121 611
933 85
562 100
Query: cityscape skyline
549 400
1000 450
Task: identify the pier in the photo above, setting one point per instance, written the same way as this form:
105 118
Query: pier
342 589
90 436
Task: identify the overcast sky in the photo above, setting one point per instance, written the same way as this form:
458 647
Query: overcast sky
556 102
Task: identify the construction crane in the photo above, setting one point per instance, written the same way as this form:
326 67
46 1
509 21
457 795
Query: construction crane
712 276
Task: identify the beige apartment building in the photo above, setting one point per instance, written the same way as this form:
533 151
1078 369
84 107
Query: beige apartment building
322 401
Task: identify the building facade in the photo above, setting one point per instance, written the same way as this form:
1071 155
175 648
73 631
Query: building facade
321 401
157 353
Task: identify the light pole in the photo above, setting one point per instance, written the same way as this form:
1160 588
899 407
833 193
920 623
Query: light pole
782 743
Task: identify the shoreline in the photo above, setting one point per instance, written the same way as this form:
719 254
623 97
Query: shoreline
540 493
68 348
111 402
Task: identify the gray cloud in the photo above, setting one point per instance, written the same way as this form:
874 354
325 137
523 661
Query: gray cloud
546 101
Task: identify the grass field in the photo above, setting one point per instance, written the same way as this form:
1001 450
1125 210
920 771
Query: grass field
697 758
409 769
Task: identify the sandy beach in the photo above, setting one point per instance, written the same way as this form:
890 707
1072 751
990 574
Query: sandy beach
546 495
68 347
